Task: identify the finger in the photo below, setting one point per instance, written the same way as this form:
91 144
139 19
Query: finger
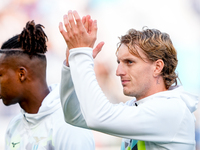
66 23
83 20
97 49
87 23
78 21
94 29
71 20
62 31
90 22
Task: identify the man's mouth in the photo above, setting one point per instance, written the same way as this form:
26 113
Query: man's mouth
124 82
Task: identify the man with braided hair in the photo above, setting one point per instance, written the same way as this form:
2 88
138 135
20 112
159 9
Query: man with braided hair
40 125
160 115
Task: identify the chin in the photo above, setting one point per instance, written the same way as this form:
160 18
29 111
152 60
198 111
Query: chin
128 93
7 103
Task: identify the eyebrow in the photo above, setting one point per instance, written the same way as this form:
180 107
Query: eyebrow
127 59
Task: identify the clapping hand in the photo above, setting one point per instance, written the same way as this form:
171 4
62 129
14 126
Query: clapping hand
79 33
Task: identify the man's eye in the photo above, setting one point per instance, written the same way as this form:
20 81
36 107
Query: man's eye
130 62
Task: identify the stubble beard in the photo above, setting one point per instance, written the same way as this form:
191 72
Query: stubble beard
129 93
133 93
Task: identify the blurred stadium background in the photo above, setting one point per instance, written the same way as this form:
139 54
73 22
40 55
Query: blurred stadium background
179 18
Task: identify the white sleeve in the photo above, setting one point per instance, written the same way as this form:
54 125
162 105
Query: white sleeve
7 139
74 138
140 123
69 101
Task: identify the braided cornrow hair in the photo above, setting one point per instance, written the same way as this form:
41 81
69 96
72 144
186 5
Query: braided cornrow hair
32 40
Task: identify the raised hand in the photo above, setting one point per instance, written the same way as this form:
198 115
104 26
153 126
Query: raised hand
88 25
76 35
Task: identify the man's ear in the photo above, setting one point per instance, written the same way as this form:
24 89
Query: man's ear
22 74
159 65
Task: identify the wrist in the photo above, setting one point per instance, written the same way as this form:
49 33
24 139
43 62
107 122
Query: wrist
66 63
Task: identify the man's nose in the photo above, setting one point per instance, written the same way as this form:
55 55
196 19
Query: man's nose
120 70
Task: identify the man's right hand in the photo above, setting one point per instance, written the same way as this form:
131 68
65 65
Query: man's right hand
87 23
76 35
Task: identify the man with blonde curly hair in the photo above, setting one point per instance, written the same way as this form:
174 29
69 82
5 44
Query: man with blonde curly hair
150 46
160 115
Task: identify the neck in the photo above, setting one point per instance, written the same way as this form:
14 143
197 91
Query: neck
158 86
33 98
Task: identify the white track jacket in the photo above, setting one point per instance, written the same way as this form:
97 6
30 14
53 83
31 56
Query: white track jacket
163 121
47 129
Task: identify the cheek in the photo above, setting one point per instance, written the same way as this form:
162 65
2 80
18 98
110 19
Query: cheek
141 73
5 90
8 87
148 74
9 94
